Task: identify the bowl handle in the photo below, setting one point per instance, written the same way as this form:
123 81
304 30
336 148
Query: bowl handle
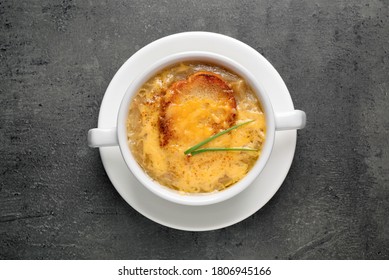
290 120
102 137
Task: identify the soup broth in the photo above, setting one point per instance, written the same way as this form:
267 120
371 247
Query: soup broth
180 107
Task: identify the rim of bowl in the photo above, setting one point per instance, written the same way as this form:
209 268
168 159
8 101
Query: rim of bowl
202 198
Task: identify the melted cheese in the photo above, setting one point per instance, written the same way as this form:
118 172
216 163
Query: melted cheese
206 172
191 119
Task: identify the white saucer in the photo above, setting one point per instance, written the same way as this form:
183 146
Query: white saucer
198 218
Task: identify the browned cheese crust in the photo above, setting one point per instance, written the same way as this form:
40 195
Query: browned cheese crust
210 91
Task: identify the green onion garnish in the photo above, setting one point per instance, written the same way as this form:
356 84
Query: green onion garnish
199 151
194 150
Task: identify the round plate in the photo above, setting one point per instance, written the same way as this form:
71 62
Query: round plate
210 217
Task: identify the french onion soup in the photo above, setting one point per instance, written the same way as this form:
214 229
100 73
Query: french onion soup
196 127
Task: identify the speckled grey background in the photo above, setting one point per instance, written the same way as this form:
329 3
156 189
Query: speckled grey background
56 60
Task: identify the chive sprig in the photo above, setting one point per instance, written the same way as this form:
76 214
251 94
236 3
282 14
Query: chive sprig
194 150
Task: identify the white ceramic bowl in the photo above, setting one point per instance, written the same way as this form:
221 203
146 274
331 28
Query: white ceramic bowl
99 137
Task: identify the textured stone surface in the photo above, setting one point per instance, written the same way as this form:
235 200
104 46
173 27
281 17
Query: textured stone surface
56 60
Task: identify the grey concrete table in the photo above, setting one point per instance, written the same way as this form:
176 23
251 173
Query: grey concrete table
56 60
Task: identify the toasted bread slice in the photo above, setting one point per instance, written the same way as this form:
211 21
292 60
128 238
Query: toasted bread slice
196 108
